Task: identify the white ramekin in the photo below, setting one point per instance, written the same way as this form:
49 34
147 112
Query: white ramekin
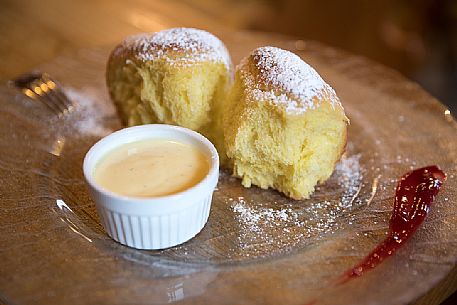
157 222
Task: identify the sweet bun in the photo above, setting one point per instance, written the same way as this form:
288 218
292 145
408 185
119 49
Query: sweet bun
284 127
177 76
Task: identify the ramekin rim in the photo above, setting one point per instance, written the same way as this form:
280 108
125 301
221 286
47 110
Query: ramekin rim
213 171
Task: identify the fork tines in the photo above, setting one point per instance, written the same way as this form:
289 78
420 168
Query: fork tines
40 86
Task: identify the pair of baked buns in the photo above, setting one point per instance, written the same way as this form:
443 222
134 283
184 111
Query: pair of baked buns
278 124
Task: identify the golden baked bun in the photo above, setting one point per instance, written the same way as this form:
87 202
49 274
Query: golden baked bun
284 127
177 76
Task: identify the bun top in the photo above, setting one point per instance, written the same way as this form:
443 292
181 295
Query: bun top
285 79
180 46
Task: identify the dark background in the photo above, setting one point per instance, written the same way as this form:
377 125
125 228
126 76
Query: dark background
415 37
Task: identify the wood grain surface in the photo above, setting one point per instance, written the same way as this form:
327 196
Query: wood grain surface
33 32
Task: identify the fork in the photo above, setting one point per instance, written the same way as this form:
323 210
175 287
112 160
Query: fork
41 87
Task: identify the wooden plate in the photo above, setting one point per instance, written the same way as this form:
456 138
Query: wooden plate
258 246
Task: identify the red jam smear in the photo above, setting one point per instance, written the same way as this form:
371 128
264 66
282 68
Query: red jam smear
414 194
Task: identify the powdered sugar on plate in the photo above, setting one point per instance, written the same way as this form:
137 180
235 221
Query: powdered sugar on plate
177 46
91 112
285 79
270 223
350 177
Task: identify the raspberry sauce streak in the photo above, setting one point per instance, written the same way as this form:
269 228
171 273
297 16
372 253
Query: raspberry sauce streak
414 194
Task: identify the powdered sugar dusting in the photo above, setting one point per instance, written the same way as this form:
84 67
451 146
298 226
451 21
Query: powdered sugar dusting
260 225
183 46
91 111
252 216
285 79
271 224
349 179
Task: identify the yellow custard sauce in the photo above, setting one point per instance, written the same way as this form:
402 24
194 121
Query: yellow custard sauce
151 168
